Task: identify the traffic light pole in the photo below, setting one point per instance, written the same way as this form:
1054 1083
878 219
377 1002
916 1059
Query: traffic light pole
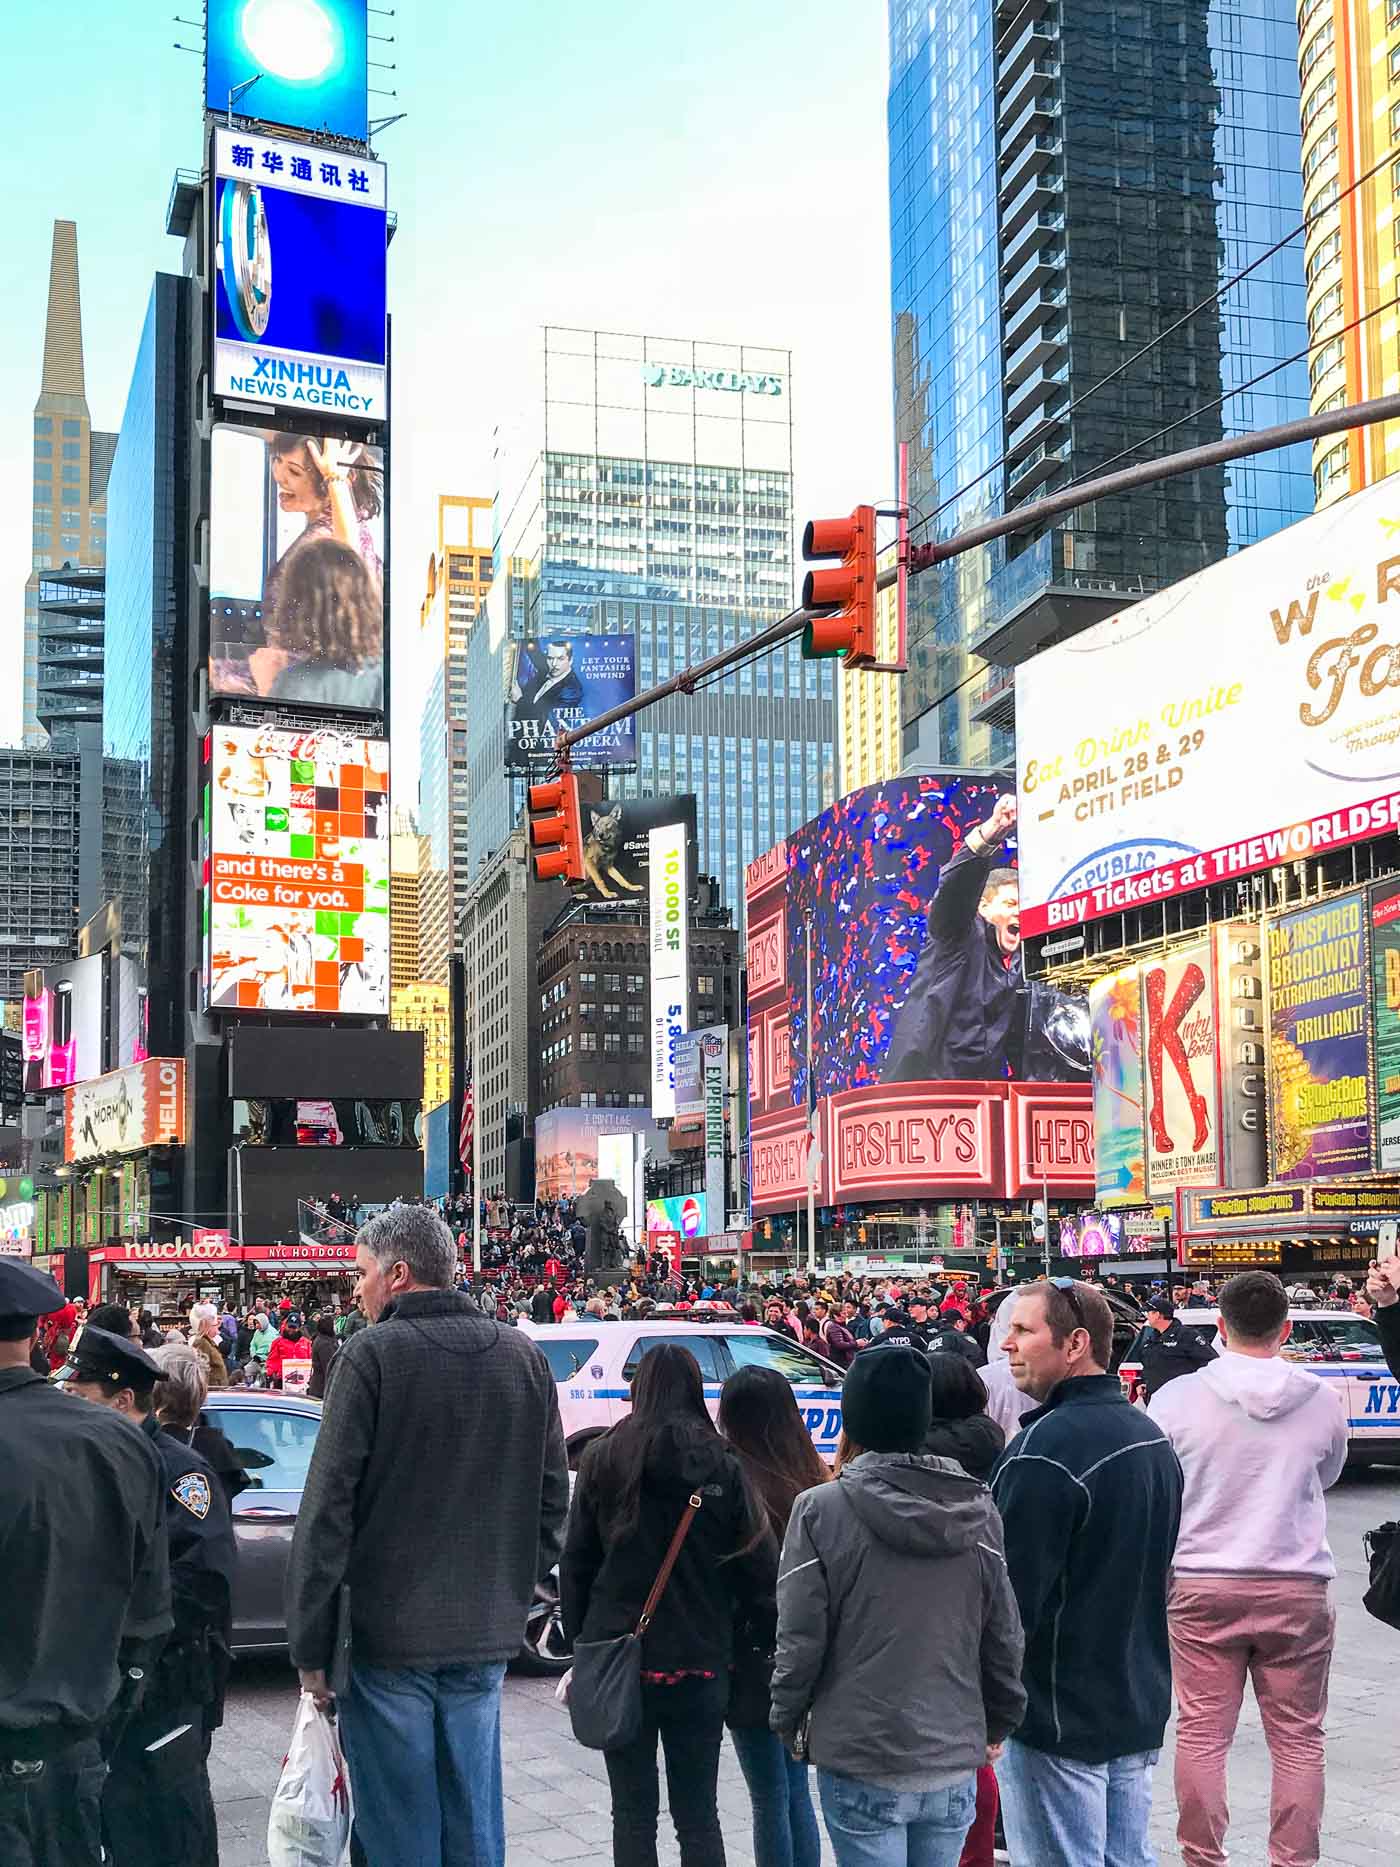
924 557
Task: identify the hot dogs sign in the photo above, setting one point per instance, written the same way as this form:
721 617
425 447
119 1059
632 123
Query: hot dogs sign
1245 717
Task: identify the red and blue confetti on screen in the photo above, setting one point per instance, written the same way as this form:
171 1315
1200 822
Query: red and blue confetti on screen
864 873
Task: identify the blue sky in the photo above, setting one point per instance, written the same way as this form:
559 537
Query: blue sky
635 167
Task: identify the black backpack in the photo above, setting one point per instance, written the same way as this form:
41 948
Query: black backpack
1382 1598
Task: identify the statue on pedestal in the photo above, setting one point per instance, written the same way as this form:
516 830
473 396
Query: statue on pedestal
603 1208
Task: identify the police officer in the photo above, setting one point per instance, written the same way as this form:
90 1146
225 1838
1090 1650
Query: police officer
1165 1349
86 1590
156 1809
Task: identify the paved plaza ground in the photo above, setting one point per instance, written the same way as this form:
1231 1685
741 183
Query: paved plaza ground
557 1793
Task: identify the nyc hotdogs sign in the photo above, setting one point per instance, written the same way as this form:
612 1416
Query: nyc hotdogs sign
1246 717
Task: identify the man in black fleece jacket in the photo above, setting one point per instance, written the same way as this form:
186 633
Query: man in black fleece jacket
1090 1497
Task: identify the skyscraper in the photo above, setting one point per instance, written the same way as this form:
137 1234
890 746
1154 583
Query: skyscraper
650 494
1066 183
1349 83
71 461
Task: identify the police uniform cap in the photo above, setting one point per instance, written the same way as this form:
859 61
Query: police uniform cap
102 1356
26 1293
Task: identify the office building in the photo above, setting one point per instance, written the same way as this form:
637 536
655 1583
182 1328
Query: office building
40 836
649 492
71 463
426 1006
459 572
868 722
1349 109
1066 183
406 855
592 979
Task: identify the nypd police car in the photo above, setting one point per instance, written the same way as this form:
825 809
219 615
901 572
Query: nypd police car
594 1361
1340 1348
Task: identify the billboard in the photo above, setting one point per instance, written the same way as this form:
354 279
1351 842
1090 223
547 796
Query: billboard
296 567
296 871
310 59
616 849
1181 1103
1385 1020
1129 737
668 856
558 681
1115 1023
126 1111
1319 995
689 1073
1091 1235
684 1214
63 1025
566 1146
299 277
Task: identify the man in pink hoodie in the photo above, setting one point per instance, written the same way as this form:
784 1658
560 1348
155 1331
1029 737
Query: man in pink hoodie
1260 1441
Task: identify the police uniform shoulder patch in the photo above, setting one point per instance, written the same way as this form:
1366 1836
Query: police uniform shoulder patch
193 1492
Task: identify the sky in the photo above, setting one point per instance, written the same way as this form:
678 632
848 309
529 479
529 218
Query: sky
623 166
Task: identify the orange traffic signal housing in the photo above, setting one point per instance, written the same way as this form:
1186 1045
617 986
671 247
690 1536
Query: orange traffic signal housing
843 595
558 837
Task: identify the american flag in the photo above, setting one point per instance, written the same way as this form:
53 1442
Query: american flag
466 1131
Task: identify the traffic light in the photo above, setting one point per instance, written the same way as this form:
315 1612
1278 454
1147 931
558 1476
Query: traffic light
844 593
558 838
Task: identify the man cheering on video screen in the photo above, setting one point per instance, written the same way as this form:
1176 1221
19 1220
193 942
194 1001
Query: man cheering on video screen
965 1014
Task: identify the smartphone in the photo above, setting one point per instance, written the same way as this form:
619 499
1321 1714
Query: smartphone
1387 1245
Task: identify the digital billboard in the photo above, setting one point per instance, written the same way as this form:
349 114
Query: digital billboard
1385 1020
668 856
310 59
299 277
558 681
1181 1102
63 1025
1091 1235
566 1146
617 849
126 1111
296 871
296 568
1132 737
683 1214
1319 996
1116 1035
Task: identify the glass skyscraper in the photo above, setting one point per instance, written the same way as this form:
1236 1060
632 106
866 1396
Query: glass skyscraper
1066 183
654 496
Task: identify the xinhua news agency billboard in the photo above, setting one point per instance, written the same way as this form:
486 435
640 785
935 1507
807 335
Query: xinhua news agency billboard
299 241
296 909
1159 752
925 1033
556 682
310 59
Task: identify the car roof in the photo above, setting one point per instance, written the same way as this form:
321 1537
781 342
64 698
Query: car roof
1304 1314
238 1397
639 1325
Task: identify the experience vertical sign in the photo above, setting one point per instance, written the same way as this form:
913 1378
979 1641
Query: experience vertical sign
1319 994
714 1054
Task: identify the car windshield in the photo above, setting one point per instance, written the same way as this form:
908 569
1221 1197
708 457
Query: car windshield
281 1440
566 1354
1353 1338
752 1350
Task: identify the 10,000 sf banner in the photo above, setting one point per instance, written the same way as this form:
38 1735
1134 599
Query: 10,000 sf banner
1247 716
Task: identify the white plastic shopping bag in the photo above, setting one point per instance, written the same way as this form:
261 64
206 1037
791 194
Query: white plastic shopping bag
311 1811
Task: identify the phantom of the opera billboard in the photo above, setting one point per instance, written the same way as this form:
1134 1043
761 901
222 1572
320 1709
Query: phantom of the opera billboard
936 1069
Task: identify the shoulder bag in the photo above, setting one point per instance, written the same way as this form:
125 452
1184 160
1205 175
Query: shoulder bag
605 1695
1382 1598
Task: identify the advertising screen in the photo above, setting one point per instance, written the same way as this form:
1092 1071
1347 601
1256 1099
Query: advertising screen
1181 1109
616 846
63 1026
299 292
557 682
297 871
1116 1034
296 568
1091 1235
1132 773
126 1111
310 58
683 1214
339 1060
1319 994
566 1146
669 920
1385 1020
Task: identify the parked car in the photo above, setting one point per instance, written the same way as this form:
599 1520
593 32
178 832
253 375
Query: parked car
274 1435
1340 1348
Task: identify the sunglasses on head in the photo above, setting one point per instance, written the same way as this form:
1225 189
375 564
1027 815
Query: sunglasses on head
1069 1286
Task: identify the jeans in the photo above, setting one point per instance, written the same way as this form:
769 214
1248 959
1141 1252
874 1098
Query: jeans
424 1749
785 1832
871 1826
1059 1812
688 1717
1279 1634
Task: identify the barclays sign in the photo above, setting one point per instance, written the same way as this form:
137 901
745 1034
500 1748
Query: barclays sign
680 376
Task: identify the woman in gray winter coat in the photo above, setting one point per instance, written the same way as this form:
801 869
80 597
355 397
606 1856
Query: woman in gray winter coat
895 1705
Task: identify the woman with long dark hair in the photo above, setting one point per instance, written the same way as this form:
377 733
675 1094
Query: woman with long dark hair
759 1418
633 1488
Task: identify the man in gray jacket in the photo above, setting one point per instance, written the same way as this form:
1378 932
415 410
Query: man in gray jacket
902 1704
438 1492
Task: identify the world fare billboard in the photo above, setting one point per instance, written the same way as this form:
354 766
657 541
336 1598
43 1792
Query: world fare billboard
1159 751
936 1068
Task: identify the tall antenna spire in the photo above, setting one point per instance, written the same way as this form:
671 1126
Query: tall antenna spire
63 329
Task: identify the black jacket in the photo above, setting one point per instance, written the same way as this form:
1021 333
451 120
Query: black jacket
964 1015
542 1306
323 1353
604 1580
437 1491
1090 1497
976 1443
1388 1323
1167 1354
958 1342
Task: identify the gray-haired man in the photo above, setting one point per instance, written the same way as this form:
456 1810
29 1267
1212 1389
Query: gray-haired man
438 1491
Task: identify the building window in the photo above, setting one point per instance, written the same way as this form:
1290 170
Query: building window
1325 146
636 1100
612 1044
635 1014
1394 121
1330 468
1318 98
612 981
1392 15
1320 42
635 982
588 1100
67 473
588 1042
611 1009
1328 251
636 1044
588 982
43 424
72 427
705 984
41 472
71 450
43 450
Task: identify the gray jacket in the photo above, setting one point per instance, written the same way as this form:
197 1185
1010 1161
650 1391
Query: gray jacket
438 1491
897 1627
